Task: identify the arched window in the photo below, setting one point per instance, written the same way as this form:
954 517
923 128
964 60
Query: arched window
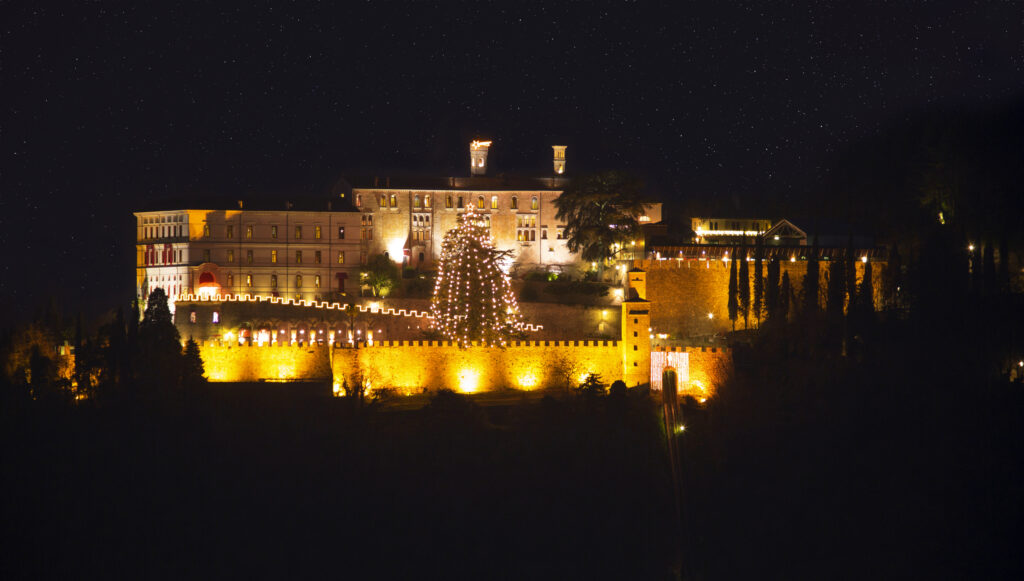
383 200
298 281
359 200
316 281
494 202
533 203
480 202
231 280
394 201
515 203
426 200
448 201
460 202
416 201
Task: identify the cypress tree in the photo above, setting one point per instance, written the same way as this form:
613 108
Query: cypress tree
784 295
744 284
836 291
733 286
758 280
192 370
771 302
990 270
810 305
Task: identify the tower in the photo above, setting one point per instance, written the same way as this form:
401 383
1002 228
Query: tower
559 158
478 157
636 332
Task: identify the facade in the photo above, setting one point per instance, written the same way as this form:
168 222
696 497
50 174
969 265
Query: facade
299 254
728 230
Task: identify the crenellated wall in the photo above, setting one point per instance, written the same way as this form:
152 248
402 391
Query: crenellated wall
232 362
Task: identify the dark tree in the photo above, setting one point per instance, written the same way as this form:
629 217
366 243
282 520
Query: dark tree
836 292
758 279
771 302
600 212
744 286
192 370
866 296
380 274
733 292
989 269
810 296
159 345
785 292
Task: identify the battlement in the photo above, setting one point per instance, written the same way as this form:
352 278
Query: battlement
532 344
680 349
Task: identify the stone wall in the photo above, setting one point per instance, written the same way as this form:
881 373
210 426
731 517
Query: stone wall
684 292
225 362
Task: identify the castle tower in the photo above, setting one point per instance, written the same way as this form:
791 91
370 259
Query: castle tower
478 157
636 332
559 158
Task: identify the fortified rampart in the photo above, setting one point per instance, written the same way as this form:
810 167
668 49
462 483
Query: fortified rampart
284 362
685 291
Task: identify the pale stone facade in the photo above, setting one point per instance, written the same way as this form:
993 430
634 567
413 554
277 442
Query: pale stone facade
294 254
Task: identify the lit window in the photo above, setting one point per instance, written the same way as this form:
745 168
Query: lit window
341 232
359 200
298 232
560 233
533 203
448 202
248 256
192 317
316 281
316 232
248 232
216 317
273 231
416 201
341 258
273 256
206 230
231 280
480 202
426 201
316 257
273 281
515 203
383 201
494 202
298 257
230 231
298 281
394 201
248 280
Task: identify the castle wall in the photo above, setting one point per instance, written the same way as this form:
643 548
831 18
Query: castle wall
683 292
224 362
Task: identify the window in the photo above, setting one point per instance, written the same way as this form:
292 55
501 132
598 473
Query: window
273 281
230 233
298 257
494 202
273 231
206 230
248 280
515 203
560 233
317 234
426 200
341 232
298 281
544 234
216 317
459 205
383 201
533 203
359 200
248 232
192 317
341 257
231 280
206 256
480 202
316 281
394 201
273 256
416 201
448 202
298 232
317 257
231 255
248 256
635 334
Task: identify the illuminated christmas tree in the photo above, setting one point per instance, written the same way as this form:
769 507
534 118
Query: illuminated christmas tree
473 298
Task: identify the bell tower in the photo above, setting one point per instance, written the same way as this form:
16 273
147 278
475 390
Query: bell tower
559 158
636 331
478 157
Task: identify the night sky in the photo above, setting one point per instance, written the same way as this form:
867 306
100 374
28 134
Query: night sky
735 108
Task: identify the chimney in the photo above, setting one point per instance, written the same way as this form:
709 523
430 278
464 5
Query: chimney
478 157
559 158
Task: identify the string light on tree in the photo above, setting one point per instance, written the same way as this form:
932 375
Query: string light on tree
473 298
